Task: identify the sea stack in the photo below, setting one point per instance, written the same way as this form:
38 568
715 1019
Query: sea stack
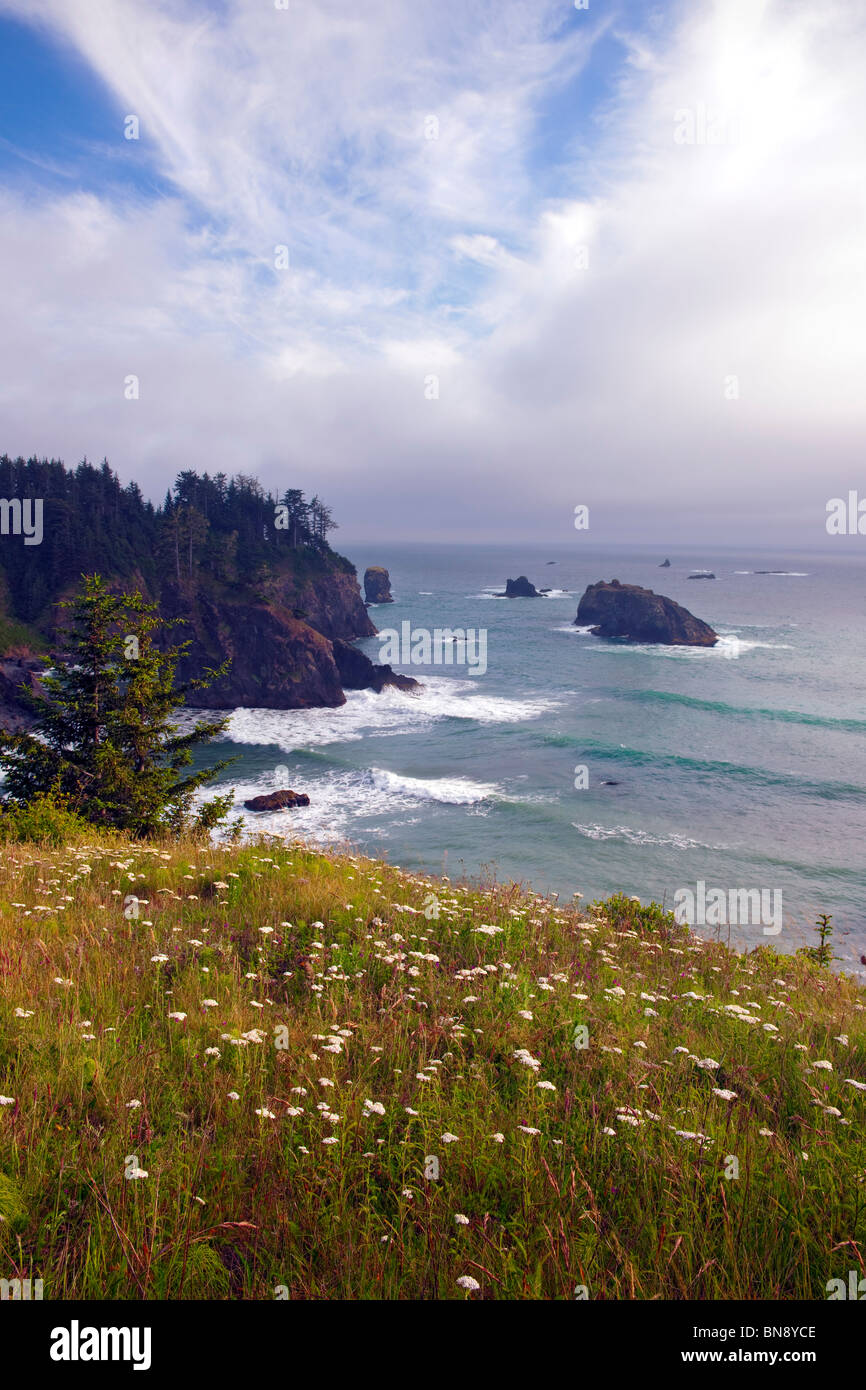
634 614
377 585
519 588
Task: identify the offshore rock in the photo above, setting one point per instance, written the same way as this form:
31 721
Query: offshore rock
638 615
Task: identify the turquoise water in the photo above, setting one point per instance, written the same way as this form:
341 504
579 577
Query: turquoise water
742 766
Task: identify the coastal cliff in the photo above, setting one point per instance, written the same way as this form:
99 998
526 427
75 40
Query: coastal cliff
249 578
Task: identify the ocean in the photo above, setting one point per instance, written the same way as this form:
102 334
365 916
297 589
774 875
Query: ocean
579 765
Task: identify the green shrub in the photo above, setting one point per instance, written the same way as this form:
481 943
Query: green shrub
47 819
627 914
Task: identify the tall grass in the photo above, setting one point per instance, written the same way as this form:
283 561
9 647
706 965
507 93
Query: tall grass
409 995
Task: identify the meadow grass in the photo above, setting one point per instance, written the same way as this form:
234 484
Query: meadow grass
360 1056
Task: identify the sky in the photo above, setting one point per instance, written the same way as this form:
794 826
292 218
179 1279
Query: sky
459 267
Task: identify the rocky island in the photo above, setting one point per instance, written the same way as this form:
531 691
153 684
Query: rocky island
634 614
377 585
519 588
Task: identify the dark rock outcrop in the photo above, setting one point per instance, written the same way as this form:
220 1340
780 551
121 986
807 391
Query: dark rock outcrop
278 661
358 672
638 615
277 801
18 675
519 588
702 574
665 565
377 585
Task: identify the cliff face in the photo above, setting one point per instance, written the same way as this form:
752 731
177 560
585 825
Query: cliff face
328 599
287 638
278 661
15 673
639 615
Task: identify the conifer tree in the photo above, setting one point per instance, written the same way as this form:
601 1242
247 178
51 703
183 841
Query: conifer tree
104 738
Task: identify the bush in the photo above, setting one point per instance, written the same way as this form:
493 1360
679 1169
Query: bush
47 819
627 914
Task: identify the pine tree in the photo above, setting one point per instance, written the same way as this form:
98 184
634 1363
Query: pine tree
104 739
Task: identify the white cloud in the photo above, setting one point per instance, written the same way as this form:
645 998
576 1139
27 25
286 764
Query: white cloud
588 335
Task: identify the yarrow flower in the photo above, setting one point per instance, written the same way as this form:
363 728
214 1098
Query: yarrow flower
460 1219
724 1095
467 1282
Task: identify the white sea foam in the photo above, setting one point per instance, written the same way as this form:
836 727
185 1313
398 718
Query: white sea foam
451 791
638 837
728 646
391 712
340 800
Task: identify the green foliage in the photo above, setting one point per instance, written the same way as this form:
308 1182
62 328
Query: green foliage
627 914
46 819
104 741
822 954
222 529
12 1208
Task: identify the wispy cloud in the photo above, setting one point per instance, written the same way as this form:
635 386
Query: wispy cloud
586 227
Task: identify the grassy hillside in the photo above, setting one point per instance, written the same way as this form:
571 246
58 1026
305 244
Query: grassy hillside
284 1076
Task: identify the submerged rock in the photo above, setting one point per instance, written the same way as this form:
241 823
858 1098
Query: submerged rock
638 615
